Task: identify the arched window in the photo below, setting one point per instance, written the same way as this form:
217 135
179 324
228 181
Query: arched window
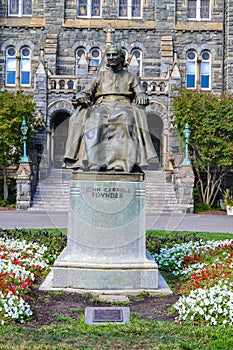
191 69
130 8
25 67
153 87
10 66
138 54
19 8
198 71
62 84
95 56
79 53
205 70
89 8
70 85
198 9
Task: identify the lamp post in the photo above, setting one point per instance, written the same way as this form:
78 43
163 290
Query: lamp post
186 133
24 130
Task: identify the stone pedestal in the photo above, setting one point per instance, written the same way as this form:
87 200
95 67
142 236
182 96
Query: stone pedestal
184 186
106 235
23 182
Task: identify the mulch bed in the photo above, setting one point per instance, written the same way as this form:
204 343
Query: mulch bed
47 306
212 212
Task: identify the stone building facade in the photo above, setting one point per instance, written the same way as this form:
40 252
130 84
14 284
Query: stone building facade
53 48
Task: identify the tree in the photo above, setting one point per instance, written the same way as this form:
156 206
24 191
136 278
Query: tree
13 107
210 119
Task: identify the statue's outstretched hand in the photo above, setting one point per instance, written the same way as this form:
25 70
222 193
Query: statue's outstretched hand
142 99
83 99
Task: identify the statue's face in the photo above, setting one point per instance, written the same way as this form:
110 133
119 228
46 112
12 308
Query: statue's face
114 57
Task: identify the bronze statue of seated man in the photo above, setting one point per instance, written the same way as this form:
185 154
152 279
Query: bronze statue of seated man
109 129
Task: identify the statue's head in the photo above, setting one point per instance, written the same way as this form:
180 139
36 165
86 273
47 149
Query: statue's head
115 56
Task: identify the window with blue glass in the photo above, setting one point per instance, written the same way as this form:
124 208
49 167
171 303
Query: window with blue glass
198 71
191 69
25 67
89 8
11 66
95 56
129 8
22 70
205 70
19 8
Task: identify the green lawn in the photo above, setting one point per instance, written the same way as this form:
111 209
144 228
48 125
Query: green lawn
136 335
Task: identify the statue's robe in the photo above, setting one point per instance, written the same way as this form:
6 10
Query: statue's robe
113 132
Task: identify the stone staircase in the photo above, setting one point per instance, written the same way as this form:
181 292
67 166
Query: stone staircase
52 194
160 194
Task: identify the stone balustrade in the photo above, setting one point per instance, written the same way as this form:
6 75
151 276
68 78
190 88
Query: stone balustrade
68 84
155 86
62 83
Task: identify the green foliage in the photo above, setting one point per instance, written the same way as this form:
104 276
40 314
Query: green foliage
198 207
13 107
12 193
227 198
210 119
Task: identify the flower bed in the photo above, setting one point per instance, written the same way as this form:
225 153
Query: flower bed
20 262
207 288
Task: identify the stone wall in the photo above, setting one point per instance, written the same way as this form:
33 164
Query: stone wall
164 35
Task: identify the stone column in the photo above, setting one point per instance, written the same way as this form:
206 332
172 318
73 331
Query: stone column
24 186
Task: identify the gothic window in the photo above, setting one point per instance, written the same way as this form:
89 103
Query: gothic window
138 54
79 53
89 8
19 8
11 66
95 56
205 70
198 9
198 71
129 8
191 64
25 67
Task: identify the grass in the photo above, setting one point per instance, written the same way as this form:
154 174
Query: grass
138 334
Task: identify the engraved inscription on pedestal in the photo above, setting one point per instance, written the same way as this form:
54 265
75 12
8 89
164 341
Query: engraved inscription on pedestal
110 199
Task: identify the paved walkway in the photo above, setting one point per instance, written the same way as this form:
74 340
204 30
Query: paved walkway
173 222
